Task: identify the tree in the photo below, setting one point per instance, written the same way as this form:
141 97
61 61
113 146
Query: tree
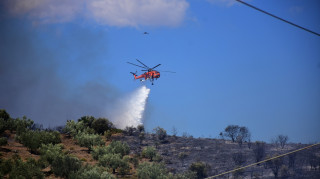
259 150
91 172
275 165
243 135
283 139
65 165
113 161
141 137
89 140
117 147
149 152
161 133
50 152
129 130
4 115
232 132
34 139
140 128
101 125
152 171
28 169
200 169
99 151
87 120
3 141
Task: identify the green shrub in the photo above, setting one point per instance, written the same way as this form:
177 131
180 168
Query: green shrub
89 140
34 139
29 169
199 168
5 166
99 151
49 152
117 147
91 172
152 171
161 133
65 165
22 125
108 134
149 152
73 128
114 162
3 141
87 120
101 125
4 115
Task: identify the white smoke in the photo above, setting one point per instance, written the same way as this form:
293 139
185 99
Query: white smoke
129 110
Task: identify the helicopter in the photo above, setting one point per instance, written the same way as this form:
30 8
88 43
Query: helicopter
150 73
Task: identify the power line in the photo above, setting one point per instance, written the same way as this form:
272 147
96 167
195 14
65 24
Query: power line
315 33
272 158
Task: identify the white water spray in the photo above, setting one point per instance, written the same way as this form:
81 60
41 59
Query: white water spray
129 110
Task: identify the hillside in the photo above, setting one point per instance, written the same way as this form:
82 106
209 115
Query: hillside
93 148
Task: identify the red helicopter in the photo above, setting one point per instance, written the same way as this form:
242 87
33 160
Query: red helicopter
150 74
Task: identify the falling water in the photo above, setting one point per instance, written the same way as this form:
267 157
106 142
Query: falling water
129 110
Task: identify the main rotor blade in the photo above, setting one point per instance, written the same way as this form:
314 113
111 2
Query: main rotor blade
136 65
168 71
155 66
142 63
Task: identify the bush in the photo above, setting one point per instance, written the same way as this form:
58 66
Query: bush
3 141
161 133
4 115
29 169
149 152
50 152
129 130
140 128
87 120
91 172
152 171
66 165
5 166
114 161
89 140
99 151
200 169
73 128
101 125
34 139
22 125
117 147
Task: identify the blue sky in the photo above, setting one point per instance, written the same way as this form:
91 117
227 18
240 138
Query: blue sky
64 59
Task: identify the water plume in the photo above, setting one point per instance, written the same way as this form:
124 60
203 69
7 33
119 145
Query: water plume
129 110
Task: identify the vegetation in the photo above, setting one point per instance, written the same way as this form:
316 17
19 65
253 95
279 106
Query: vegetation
149 152
34 139
237 134
16 168
89 140
65 165
161 134
152 171
200 168
113 159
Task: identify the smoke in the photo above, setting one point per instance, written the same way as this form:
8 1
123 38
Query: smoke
130 109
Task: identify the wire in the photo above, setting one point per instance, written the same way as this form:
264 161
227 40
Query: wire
272 158
315 33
